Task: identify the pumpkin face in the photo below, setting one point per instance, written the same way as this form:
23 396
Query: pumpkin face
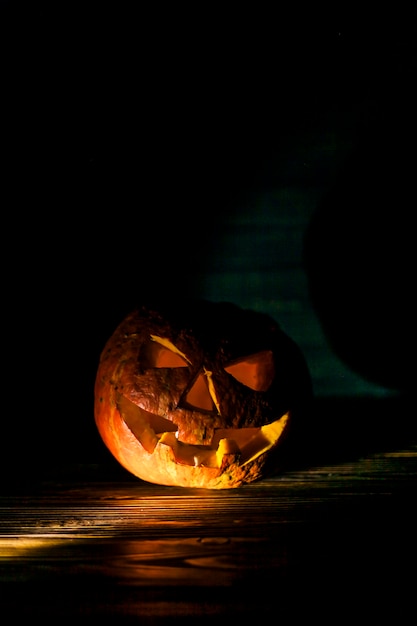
198 397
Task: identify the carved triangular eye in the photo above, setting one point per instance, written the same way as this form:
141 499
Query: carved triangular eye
162 353
256 371
161 357
199 395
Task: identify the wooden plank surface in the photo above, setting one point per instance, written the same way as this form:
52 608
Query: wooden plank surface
83 545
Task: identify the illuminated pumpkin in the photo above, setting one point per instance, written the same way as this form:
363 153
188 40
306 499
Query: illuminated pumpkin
201 396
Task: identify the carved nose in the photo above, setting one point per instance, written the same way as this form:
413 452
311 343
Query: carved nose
202 395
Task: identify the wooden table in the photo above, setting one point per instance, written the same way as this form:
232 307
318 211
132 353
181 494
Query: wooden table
333 537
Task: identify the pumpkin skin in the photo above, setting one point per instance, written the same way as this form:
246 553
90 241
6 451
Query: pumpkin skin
201 396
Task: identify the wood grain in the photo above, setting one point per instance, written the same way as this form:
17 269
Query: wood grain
134 551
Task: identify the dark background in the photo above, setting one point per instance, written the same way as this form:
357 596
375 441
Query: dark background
137 146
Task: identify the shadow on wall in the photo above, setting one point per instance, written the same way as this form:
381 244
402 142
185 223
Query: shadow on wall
359 253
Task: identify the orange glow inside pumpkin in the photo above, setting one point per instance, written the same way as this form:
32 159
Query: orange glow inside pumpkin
247 443
255 371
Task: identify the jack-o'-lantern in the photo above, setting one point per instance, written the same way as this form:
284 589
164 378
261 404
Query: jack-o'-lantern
199 396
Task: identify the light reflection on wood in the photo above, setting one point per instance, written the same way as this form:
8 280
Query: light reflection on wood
129 549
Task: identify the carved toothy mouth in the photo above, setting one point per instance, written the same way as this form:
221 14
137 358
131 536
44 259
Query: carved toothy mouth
241 445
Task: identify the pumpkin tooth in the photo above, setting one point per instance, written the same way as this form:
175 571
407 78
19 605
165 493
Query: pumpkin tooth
226 446
196 456
264 440
228 450
184 453
227 453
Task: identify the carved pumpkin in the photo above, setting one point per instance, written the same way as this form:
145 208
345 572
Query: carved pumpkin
201 396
